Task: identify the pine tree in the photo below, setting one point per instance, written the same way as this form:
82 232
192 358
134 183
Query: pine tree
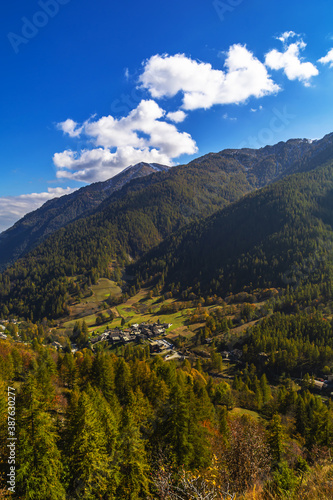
102 375
40 466
266 391
86 449
134 468
301 417
275 438
69 370
175 429
110 422
123 381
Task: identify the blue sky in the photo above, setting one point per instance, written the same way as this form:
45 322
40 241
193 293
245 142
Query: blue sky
90 88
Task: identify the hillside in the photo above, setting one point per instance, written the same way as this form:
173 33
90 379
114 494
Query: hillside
134 220
147 210
254 169
276 236
34 227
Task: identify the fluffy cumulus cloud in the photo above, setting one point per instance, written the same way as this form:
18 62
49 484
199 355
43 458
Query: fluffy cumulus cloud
151 134
100 164
286 36
13 208
290 60
328 59
202 86
142 135
70 127
176 116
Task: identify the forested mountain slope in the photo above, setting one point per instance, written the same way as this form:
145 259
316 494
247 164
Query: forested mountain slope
34 227
145 211
255 167
282 234
135 219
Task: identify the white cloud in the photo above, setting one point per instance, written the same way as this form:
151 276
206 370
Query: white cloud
13 208
290 60
176 116
100 164
203 86
286 35
70 127
147 134
328 59
142 135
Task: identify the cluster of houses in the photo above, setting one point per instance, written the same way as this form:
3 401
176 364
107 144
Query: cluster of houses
137 333
2 329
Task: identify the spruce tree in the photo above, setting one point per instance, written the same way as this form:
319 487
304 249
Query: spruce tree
86 449
134 468
39 461
275 438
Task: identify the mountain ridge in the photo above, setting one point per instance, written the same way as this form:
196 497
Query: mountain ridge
141 215
259 166
277 236
35 226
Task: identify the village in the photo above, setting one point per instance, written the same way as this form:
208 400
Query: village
137 333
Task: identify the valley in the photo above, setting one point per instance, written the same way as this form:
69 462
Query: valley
188 316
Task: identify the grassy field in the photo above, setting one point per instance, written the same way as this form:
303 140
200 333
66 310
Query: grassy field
89 307
104 288
141 308
137 309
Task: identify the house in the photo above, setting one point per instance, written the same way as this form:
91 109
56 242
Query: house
318 384
154 347
57 345
142 337
114 337
160 346
166 325
157 330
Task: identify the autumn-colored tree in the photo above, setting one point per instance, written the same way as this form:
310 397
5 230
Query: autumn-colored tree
245 457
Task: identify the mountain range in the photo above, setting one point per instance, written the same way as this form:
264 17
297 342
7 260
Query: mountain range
253 168
34 227
203 242
277 236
